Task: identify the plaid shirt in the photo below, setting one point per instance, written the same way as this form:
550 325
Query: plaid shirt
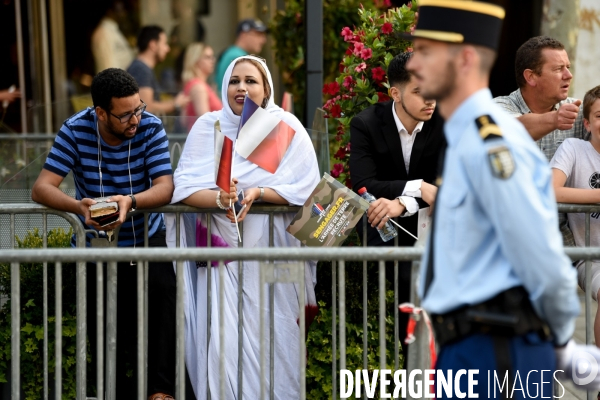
515 105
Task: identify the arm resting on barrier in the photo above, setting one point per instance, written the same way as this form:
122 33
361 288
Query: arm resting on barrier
572 195
45 191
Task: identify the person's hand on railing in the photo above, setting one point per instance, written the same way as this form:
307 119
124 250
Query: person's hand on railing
84 210
250 196
125 204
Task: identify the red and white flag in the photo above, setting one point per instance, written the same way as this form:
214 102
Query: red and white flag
262 138
223 159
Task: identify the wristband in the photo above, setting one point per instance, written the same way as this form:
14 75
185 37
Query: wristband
219 204
262 193
133 203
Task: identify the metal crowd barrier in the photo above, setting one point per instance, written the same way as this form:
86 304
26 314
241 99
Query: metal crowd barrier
339 256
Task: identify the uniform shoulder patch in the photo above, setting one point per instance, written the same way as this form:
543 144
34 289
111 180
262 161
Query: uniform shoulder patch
501 162
500 157
488 128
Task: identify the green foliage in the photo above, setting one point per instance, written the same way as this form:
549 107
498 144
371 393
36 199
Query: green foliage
361 81
289 28
32 329
319 341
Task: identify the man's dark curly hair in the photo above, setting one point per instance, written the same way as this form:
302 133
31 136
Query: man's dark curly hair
148 34
397 73
529 56
112 82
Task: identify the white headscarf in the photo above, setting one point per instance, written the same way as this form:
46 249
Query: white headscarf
295 178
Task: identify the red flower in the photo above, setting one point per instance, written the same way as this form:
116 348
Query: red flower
365 54
387 28
382 97
347 34
358 48
336 111
409 49
342 67
348 82
360 67
409 5
341 153
378 74
337 170
331 88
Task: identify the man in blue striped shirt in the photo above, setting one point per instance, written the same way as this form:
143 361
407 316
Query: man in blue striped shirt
118 150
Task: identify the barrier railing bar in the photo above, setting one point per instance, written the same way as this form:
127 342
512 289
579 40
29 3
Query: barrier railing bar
208 291
222 358
81 347
382 347
271 321
334 330
365 299
396 315
45 301
240 388
30 208
99 329
111 330
302 316
58 331
145 324
15 309
255 254
589 332
342 311
179 329
262 337
141 366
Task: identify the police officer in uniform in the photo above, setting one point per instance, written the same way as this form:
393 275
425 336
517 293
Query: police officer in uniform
500 289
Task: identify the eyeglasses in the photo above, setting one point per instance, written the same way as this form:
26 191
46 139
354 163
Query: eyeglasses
127 117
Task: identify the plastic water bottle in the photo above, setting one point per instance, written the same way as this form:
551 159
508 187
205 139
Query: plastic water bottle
388 232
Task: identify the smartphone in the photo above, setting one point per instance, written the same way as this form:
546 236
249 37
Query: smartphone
104 212
238 206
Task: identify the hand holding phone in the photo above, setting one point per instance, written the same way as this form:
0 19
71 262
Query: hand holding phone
238 206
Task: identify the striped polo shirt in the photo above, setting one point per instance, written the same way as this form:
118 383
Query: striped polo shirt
125 170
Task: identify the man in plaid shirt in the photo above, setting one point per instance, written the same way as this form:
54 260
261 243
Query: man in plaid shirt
541 102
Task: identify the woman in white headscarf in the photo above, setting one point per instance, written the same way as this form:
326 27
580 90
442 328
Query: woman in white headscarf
292 183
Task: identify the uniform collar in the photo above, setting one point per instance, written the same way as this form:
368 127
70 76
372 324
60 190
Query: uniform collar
474 106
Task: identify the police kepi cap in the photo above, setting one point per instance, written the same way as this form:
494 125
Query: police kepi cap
250 24
459 21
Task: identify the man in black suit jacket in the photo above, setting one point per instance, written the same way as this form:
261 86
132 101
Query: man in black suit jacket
395 152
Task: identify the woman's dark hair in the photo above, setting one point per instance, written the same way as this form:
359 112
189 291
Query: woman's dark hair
112 82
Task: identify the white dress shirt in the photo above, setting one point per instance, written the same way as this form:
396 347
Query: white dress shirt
412 188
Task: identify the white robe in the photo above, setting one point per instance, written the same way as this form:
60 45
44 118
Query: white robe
294 180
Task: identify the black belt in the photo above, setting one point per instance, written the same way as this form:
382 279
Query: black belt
510 313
